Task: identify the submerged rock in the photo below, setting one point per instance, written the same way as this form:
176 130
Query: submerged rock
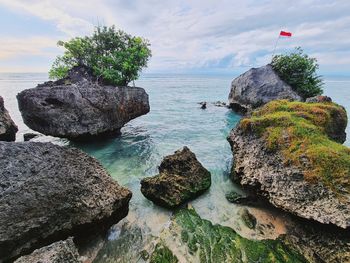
8 128
237 198
162 254
79 107
286 153
258 86
211 243
181 178
48 193
58 252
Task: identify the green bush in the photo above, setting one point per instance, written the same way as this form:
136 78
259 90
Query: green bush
115 57
299 71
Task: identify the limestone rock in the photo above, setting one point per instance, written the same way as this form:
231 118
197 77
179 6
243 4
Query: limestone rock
256 87
181 178
48 193
8 128
79 108
58 252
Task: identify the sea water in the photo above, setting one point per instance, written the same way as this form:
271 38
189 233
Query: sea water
175 120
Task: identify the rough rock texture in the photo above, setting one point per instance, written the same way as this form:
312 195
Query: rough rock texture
48 193
181 178
339 124
256 87
319 243
8 128
78 107
317 99
257 167
58 252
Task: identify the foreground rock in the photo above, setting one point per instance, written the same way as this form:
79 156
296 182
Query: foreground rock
256 87
286 153
78 107
8 128
48 193
58 252
181 178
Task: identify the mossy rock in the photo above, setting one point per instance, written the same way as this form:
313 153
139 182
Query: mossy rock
248 219
306 134
162 254
181 178
216 243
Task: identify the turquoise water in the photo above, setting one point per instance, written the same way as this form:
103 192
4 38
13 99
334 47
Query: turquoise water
175 120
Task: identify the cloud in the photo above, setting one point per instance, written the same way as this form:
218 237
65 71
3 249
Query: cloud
196 34
30 46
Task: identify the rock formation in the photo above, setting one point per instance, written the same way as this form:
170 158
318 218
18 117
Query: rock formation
48 193
256 87
58 252
78 107
181 178
8 128
286 152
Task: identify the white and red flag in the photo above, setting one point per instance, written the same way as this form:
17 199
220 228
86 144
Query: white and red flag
285 34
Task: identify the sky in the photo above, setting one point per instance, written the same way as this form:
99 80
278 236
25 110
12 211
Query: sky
186 36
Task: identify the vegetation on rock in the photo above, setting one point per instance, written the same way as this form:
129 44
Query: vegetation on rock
299 71
216 243
115 57
162 254
302 132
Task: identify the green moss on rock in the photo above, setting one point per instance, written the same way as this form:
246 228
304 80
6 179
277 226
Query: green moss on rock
306 134
162 254
216 243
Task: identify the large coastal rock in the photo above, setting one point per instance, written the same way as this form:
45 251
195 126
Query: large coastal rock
256 87
48 193
58 252
181 178
79 107
8 128
285 152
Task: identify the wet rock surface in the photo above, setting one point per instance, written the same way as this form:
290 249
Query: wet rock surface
48 193
8 128
181 178
78 107
58 252
256 87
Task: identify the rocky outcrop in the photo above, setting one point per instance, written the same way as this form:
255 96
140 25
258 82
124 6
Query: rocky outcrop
284 154
48 193
256 87
8 128
181 178
79 107
58 252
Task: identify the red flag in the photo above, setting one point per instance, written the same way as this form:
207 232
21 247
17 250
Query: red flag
285 34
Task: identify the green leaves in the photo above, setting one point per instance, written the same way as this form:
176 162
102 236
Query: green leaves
299 71
115 57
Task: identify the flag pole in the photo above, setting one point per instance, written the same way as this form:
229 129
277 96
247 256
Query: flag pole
274 49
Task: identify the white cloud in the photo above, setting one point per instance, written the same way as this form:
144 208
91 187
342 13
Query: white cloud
195 34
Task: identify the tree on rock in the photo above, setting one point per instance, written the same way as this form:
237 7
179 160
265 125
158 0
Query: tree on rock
115 57
299 71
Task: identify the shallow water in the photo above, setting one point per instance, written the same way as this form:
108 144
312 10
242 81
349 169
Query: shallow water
175 120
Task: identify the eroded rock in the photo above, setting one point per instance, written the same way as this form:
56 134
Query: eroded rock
285 152
258 86
58 252
48 193
78 107
8 128
181 178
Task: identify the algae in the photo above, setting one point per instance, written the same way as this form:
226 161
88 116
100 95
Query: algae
216 243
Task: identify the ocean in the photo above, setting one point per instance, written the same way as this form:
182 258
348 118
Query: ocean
175 120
